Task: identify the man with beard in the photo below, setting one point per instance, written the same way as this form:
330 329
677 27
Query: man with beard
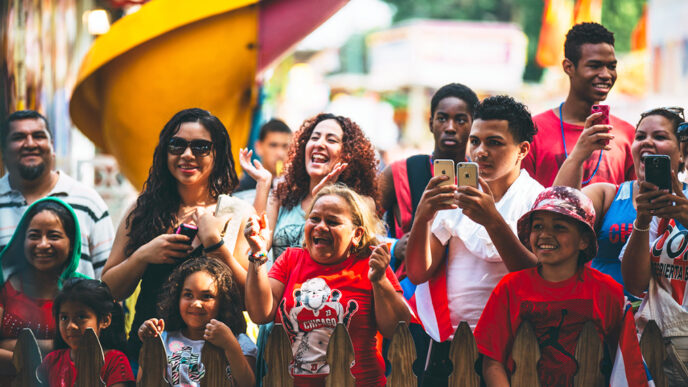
590 64
29 158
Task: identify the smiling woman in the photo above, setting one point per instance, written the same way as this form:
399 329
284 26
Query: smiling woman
43 252
192 166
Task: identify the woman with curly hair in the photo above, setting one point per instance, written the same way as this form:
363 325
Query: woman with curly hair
201 302
192 166
327 149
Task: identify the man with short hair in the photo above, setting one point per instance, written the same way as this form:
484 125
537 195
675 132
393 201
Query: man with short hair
272 147
590 64
29 157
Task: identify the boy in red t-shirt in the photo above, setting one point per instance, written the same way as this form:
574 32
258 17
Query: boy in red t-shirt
557 297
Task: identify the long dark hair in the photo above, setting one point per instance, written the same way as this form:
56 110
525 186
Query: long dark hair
156 207
95 295
228 294
360 175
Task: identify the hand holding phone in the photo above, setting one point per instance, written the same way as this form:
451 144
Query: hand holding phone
189 230
658 171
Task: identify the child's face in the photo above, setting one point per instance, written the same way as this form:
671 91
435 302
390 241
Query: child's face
74 318
556 239
46 246
198 303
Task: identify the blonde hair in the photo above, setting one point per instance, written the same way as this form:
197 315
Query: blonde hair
361 216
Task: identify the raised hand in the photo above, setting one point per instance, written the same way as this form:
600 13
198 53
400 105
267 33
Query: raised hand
217 333
254 169
435 197
151 328
379 260
209 225
257 232
331 177
478 206
592 138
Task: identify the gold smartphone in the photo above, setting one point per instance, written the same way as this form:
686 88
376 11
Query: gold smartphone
467 174
445 167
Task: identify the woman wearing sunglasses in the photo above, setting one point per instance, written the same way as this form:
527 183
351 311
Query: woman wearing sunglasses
192 166
615 206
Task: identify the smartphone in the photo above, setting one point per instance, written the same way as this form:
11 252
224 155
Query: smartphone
604 119
467 174
658 170
444 167
189 230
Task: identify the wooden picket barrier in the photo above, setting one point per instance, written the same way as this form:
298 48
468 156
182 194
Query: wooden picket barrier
340 356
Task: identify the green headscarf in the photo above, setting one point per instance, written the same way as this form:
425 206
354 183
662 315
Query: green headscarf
12 257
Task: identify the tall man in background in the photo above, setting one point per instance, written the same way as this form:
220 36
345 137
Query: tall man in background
590 64
29 157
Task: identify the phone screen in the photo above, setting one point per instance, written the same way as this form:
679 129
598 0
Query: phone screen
658 170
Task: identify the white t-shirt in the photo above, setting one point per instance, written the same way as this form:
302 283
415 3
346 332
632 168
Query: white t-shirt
474 266
184 366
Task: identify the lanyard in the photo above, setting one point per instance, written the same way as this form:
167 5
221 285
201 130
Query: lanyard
566 154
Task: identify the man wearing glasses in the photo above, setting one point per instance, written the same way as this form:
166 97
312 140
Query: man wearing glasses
590 64
29 158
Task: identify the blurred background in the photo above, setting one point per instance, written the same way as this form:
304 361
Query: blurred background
109 73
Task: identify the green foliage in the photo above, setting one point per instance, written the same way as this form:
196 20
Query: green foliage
621 17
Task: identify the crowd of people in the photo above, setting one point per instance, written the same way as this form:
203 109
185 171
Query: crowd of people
561 228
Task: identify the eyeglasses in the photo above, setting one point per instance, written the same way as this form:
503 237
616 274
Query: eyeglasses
682 132
675 110
199 148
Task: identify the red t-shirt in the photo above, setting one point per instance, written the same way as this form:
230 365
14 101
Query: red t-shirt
316 298
557 311
547 151
21 311
58 369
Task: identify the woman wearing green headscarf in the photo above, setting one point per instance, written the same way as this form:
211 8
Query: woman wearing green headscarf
43 252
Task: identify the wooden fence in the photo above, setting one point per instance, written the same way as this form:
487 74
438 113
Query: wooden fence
340 355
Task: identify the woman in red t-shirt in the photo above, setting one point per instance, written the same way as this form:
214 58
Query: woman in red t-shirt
324 284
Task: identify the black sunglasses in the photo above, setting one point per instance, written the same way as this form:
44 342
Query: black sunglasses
675 110
199 148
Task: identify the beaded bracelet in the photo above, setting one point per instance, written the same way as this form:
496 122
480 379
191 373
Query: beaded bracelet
258 258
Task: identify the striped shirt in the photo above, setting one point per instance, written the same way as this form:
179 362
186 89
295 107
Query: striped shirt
97 231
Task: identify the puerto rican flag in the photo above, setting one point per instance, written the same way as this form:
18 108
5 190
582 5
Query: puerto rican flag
629 366
432 305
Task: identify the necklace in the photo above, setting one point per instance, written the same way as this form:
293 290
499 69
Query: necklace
566 154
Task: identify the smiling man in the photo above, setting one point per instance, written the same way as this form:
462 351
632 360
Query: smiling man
590 64
29 157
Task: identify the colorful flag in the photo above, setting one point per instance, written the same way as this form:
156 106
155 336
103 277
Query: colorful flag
629 366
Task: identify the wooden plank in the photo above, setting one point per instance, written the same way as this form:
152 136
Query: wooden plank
278 357
26 358
654 352
589 353
463 355
340 357
88 361
215 364
526 353
152 363
401 355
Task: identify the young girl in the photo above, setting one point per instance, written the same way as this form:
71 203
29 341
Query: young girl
201 302
557 297
82 304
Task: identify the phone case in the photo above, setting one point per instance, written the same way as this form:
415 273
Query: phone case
467 174
658 170
187 229
604 120
445 167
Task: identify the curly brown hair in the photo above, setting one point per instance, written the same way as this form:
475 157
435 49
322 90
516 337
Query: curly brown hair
357 151
228 294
